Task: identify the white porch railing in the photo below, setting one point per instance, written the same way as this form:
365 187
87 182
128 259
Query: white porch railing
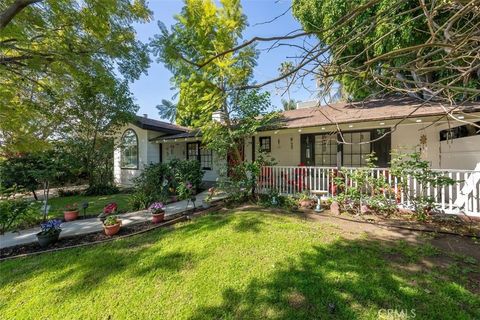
461 197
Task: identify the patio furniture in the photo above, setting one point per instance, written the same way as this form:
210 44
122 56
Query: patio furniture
318 194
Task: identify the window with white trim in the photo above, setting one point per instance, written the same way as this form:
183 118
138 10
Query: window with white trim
129 150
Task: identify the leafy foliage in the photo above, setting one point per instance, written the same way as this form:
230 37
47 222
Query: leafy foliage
423 48
159 180
50 43
14 213
411 165
201 31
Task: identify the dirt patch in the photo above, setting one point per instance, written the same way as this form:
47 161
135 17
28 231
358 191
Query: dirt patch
296 300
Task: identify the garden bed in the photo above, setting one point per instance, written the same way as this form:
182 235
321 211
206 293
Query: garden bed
98 237
440 223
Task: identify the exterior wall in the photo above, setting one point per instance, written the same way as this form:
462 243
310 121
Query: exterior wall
148 152
125 176
285 147
462 153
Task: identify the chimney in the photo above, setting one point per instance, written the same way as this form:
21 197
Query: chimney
145 115
219 116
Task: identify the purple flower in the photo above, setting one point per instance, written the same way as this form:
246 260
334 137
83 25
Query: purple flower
51 225
156 207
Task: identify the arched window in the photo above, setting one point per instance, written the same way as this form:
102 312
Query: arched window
129 149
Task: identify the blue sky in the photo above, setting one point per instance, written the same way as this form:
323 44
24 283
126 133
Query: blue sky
150 89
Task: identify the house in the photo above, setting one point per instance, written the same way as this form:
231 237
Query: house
308 137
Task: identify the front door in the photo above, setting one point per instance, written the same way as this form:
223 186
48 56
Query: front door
307 145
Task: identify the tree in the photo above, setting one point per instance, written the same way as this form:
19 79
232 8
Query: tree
47 46
101 105
286 70
289 104
202 30
426 49
167 110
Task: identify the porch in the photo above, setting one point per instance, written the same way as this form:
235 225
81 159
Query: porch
461 197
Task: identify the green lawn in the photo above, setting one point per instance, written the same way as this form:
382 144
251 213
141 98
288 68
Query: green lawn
96 203
238 265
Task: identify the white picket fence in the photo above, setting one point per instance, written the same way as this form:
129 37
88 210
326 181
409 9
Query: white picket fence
461 197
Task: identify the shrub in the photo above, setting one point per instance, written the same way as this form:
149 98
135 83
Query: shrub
17 213
156 182
140 200
186 171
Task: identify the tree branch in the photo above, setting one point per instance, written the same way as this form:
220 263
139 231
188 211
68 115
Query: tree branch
15 8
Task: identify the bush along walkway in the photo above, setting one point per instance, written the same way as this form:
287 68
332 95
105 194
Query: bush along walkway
79 227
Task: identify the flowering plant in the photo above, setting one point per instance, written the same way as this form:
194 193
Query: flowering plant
157 207
111 221
110 208
51 227
71 207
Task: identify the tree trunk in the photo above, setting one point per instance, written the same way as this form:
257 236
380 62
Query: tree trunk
15 8
35 195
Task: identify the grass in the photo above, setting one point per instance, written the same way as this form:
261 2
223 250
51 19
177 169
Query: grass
236 265
96 203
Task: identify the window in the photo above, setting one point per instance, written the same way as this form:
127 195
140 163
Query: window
265 144
326 150
354 151
206 158
197 152
129 150
459 132
192 150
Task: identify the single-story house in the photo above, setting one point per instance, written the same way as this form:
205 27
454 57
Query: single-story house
306 148
308 136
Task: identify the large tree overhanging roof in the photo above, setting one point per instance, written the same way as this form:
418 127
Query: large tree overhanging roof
351 112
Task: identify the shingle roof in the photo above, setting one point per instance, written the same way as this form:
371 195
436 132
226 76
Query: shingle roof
345 112
157 125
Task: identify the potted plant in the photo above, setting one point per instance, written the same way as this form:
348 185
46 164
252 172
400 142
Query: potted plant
109 209
158 212
71 212
208 200
111 225
305 201
50 232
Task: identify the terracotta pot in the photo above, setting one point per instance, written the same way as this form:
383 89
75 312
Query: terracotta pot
305 203
47 239
111 230
70 215
158 217
335 208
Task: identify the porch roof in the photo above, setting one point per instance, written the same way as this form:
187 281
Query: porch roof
183 135
159 126
385 109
